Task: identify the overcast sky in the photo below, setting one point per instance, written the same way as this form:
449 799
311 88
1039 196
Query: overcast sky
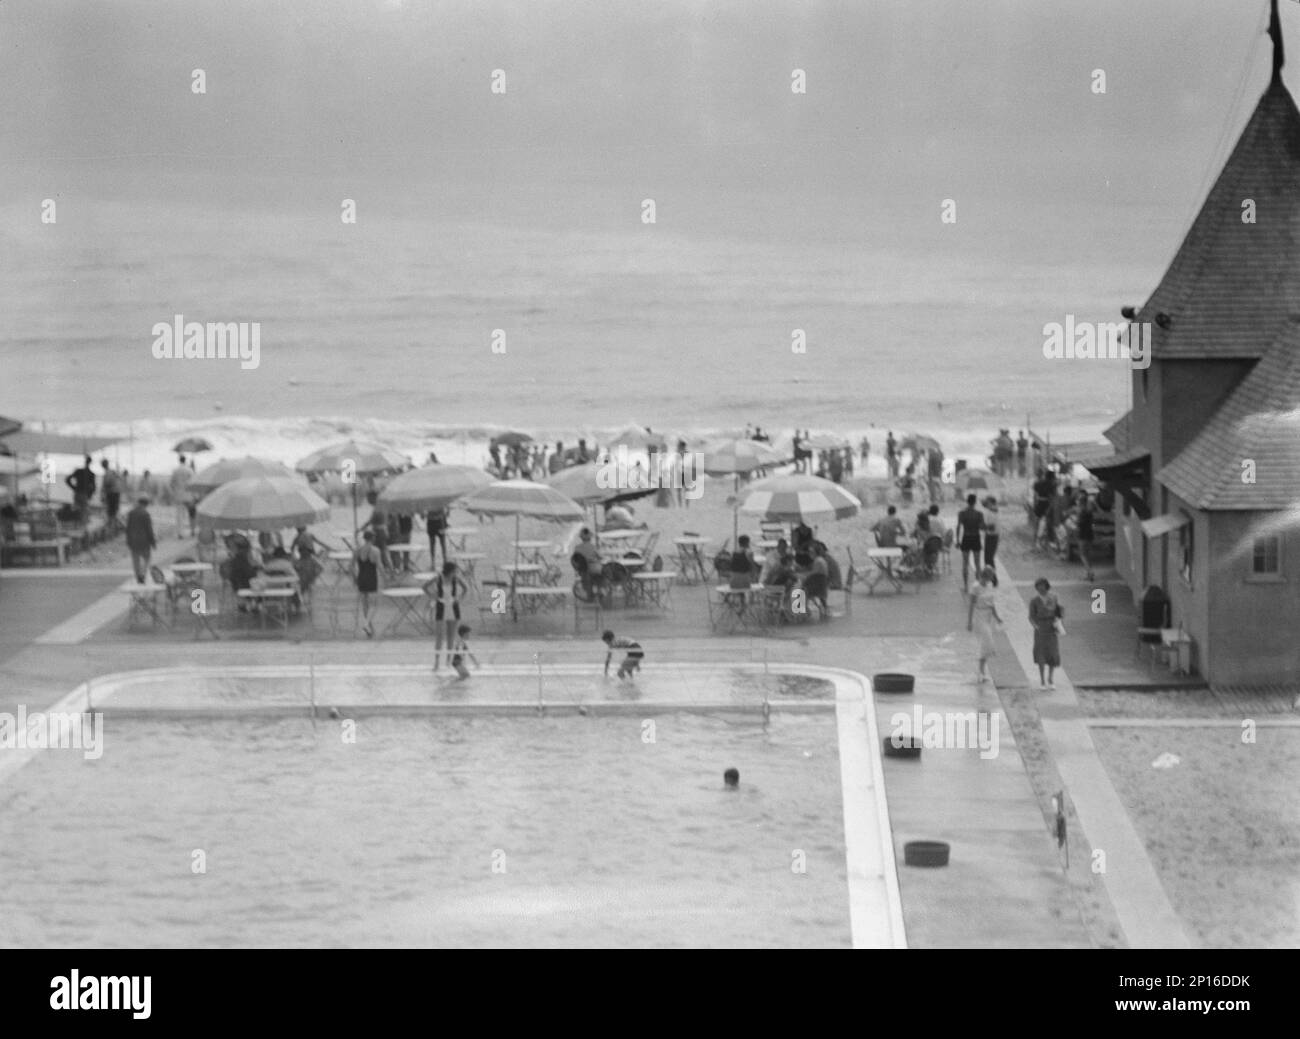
906 102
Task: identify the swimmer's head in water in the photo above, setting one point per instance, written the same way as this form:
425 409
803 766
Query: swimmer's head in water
731 777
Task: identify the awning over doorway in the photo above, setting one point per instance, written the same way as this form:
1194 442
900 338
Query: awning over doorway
1159 526
1129 472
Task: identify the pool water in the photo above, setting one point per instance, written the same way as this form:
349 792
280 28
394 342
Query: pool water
431 831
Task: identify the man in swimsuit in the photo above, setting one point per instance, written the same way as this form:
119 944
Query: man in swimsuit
632 662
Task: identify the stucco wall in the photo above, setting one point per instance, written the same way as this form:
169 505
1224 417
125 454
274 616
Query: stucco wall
1256 624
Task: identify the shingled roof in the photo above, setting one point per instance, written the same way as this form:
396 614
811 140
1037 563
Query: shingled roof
1259 421
1233 286
1120 431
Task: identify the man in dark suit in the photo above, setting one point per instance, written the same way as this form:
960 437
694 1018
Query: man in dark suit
140 538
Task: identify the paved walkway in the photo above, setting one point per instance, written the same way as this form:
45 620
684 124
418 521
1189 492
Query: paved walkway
1144 910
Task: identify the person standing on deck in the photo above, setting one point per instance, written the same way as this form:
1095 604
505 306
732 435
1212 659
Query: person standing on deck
111 489
935 462
368 560
891 455
140 540
991 535
982 618
179 486
970 524
446 591
864 449
1044 614
1022 453
435 523
82 484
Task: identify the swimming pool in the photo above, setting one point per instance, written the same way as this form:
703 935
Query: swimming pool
443 829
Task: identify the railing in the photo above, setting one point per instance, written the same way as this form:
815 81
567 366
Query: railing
563 678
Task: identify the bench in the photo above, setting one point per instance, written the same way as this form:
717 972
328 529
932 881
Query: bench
36 548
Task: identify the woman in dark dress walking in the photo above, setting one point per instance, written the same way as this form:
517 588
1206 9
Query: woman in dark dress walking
368 562
1044 615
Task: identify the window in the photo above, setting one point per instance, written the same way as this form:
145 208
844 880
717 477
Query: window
1267 557
1185 544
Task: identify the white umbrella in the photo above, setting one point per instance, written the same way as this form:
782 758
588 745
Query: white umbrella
734 457
523 498
357 459
262 503
431 487
215 475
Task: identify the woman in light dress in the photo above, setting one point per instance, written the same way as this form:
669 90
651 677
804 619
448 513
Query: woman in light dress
982 618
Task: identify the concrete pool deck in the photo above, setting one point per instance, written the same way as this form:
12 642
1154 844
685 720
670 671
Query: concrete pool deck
1004 885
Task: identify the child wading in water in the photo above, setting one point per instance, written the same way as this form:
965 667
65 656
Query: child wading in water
632 662
460 650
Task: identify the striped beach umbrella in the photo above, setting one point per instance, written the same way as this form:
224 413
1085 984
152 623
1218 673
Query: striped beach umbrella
798 498
223 472
431 487
523 498
353 458
262 503
586 485
736 457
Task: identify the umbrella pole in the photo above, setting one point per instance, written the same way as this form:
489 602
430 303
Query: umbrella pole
514 574
354 513
735 515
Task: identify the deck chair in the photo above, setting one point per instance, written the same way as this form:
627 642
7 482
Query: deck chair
157 576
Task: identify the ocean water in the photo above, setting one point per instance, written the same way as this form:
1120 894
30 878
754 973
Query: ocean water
384 329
